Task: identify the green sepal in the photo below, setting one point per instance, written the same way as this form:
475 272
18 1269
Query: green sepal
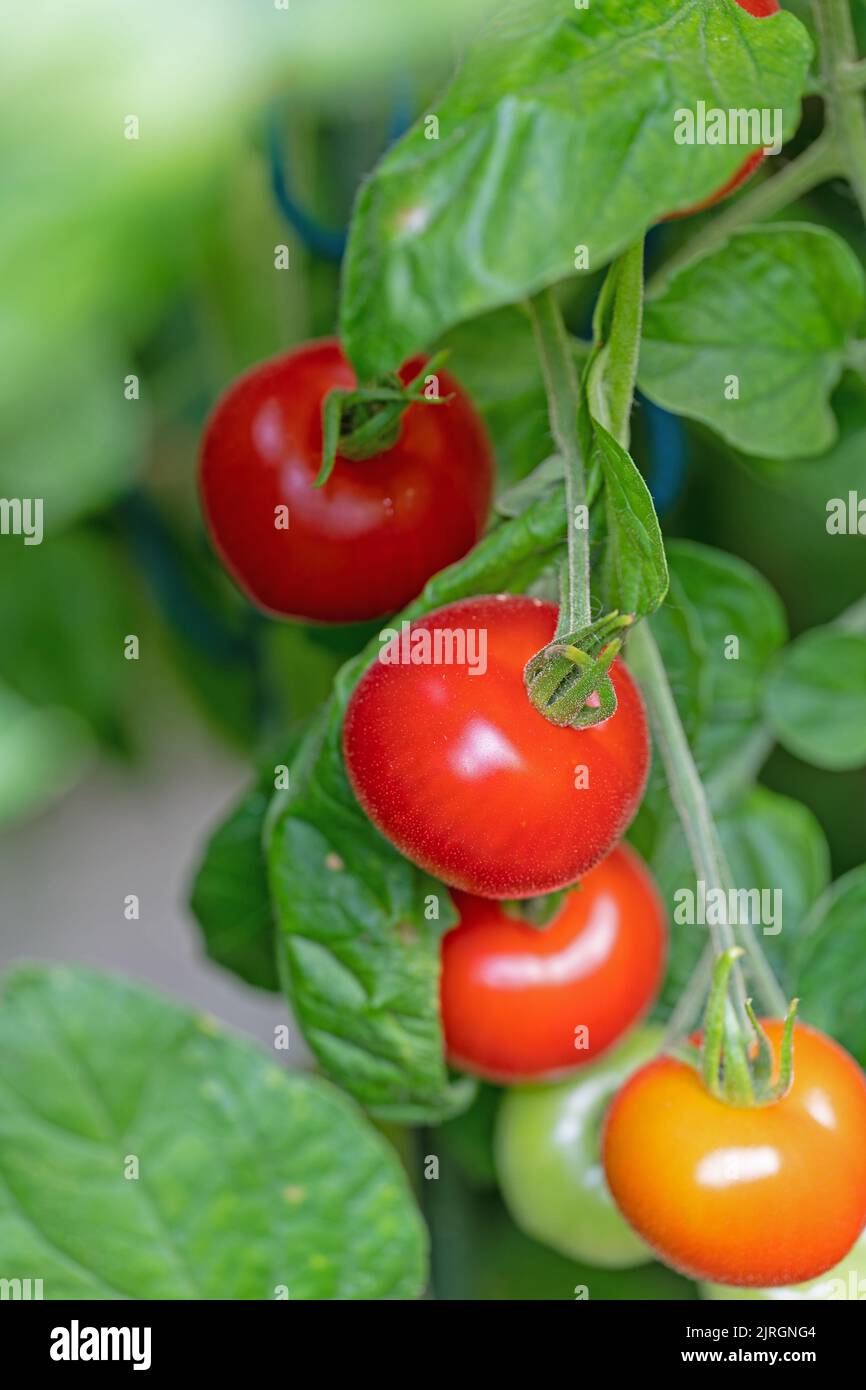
762 1066
565 674
366 421
714 1022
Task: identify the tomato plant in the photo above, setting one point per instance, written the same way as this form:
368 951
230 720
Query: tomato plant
548 1159
521 1003
773 1194
546 478
365 543
494 799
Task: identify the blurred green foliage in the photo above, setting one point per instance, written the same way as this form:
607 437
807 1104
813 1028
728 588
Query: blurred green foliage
154 257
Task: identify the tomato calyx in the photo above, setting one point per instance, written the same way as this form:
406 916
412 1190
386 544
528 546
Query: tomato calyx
568 681
360 423
736 1062
539 911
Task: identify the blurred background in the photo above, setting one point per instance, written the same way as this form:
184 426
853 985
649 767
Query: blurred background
138 280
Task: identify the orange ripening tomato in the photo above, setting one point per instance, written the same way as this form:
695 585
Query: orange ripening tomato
752 1196
514 996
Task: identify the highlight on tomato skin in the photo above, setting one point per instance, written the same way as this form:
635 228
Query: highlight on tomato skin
454 765
365 543
757 1196
759 9
523 1003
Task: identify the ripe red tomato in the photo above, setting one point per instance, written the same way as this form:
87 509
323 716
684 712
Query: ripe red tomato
465 776
762 1196
516 999
761 9
367 542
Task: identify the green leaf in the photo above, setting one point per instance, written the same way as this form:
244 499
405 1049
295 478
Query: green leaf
250 1177
717 684
775 309
230 897
742 623
815 700
831 964
556 133
359 933
358 939
770 842
679 634
636 570
718 633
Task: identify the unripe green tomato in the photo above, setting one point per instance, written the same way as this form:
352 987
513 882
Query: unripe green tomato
845 1281
548 1159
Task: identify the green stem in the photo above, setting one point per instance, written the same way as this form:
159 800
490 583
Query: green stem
684 783
768 985
560 380
846 114
851 77
688 1007
820 162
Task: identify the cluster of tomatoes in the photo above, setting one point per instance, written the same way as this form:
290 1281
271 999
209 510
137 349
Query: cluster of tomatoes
607 1149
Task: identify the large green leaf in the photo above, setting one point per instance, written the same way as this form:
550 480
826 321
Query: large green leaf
359 925
816 698
359 937
557 132
831 974
252 1182
751 338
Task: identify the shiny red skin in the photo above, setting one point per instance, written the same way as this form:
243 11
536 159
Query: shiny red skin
367 542
469 781
513 995
760 9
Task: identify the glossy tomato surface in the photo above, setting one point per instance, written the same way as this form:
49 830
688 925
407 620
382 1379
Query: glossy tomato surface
548 1159
760 9
365 543
770 1195
522 1003
468 780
